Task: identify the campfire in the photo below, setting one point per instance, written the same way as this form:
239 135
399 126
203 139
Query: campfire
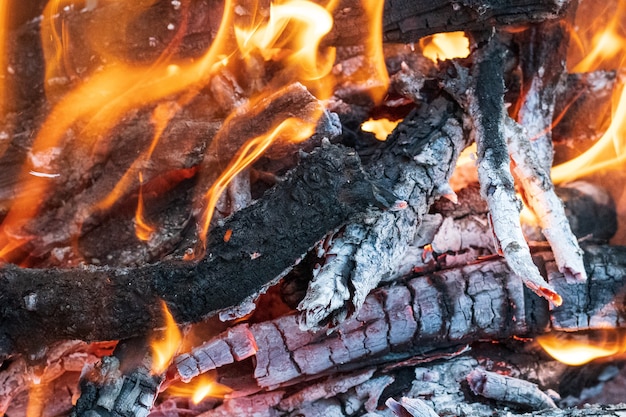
297 207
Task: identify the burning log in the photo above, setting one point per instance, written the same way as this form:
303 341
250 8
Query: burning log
328 188
542 199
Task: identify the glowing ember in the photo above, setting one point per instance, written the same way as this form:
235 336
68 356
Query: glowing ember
381 128
577 349
200 388
442 46
164 349
38 392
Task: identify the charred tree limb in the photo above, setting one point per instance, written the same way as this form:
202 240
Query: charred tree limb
480 90
42 306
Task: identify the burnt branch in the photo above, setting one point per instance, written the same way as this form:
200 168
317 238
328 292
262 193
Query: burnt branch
481 91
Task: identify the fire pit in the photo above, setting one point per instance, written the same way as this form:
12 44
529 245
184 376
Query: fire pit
311 208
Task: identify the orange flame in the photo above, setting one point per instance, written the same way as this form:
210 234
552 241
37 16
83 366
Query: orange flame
442 46
91 101
608 152
297 26
164 349
580 348
374 75
200 388
143 230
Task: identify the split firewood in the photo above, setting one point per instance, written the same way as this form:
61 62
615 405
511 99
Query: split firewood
353 261
66 357
508 389
407 22
410 407
418 317
438 388
112 387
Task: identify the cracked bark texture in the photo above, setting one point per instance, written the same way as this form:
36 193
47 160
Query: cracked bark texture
483 301
541 198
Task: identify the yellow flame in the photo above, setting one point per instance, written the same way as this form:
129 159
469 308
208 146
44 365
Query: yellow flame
607 42
164 349
577 349
606 153
200 388
381 128
442 46
92 101
375 74
297 26
99 103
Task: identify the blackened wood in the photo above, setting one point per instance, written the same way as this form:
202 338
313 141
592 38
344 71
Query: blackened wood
409 20
543 53
583 112
480 90
269 237
403 21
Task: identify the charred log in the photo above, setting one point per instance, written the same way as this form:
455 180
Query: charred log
41 306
